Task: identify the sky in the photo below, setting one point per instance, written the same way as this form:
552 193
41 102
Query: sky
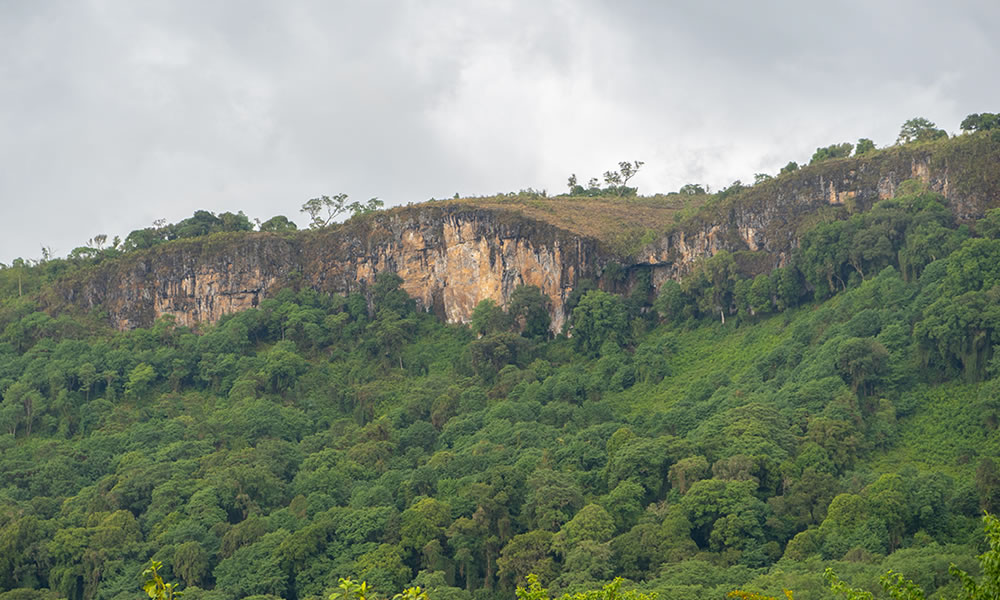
116 113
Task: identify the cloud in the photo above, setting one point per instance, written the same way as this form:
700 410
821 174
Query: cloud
114 113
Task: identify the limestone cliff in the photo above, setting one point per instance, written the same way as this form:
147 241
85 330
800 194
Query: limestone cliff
770 217
449 258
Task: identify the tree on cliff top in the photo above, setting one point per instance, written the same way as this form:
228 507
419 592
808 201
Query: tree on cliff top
832 151
919 129
334 207
981 122
616 181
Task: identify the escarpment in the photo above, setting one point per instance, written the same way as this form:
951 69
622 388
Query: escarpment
769 218
452 256
449 258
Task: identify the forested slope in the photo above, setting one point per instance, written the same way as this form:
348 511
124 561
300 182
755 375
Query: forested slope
844 413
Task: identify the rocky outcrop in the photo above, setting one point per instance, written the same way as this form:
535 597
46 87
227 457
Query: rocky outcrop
450 258
770 217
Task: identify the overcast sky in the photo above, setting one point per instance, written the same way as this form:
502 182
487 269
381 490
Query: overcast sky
117 113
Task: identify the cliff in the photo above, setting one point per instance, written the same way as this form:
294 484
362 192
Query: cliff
453 255
449 257
770 217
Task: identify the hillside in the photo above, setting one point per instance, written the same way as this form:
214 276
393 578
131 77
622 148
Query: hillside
308 439
266 412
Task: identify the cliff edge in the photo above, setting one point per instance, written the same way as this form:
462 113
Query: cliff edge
451 255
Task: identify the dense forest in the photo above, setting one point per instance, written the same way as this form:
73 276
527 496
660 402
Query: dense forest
730 431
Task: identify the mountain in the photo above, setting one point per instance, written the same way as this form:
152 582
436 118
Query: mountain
694 392
453 254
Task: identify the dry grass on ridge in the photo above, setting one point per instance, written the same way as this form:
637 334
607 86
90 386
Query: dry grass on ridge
618 222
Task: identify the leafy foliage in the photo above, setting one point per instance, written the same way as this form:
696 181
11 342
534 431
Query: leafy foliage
616 182
832 152
988 584
741 428
919 129
324 209
155 587
980 122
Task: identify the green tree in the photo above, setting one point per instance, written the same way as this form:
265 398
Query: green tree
254 569
23 551
988 585
625 503
29 403
887 497
235 222
919 129
862 361
391 331
489 355
388 294
191 563
989 225
599 317
155 587
831 152
591 523
761 294
617 181
201 223
423 523
726 514
553 497
611 591
974 266
383 567
960 332
981 122
526 553
850 523
282 366
672 303
323 210
139 380
864 146
530 310
692 189
791 167
712 284
489 317
687 471
348 589
469 539
988 484
278 224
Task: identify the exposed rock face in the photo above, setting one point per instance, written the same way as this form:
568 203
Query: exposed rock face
452 257
196 281
770 217
449 259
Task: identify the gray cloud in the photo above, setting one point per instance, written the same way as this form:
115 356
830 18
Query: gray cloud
115 113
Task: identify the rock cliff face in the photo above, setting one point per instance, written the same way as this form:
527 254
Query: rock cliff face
449 259
770 217
452 257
